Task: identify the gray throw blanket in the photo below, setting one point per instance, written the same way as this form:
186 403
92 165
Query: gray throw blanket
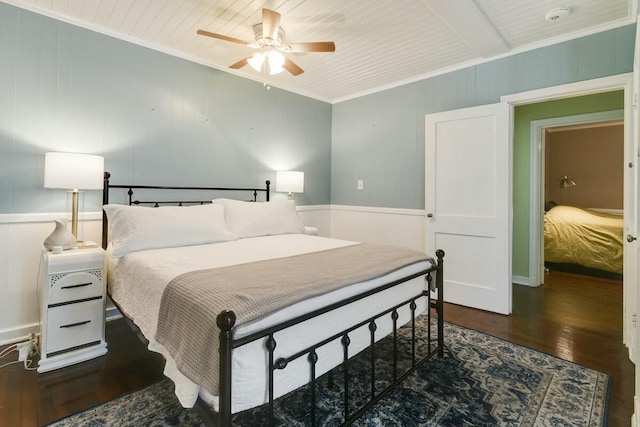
191 301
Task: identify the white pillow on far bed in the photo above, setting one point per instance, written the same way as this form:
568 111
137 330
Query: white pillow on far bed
136 228
254 219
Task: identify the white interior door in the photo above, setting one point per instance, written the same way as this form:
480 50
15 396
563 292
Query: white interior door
632 223
632 226
468 203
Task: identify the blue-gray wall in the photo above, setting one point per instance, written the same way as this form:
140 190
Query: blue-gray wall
380 137
156 118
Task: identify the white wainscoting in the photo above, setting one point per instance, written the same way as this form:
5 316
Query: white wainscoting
23 235
20 257
400 227
317 216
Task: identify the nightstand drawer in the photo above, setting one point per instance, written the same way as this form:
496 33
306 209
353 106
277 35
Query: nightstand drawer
76 324
75 286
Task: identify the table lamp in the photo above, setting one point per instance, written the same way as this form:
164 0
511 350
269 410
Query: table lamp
566 182
290 182
73 171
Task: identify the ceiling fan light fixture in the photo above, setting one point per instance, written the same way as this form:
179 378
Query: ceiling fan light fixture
276 62
269 39
256 61
262 41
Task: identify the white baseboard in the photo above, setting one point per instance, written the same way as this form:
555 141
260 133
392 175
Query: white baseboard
523 280
19 334
113 314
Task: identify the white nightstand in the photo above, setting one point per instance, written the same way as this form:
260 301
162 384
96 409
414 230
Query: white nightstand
72 309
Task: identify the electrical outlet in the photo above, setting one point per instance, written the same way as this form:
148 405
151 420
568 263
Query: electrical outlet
361 184
35 344
24 348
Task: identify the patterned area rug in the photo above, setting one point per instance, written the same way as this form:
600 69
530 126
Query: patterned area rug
481 381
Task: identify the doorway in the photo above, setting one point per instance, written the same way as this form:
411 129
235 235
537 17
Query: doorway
588 157
526 249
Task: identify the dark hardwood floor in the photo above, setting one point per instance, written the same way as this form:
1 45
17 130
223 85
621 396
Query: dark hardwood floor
574 317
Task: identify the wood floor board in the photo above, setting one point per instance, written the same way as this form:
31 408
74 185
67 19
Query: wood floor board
578 318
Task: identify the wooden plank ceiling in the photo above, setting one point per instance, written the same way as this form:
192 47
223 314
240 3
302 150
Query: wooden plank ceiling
379 43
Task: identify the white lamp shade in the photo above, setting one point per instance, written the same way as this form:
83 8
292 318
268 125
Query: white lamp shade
274 59
276 62
256 61
73 171
290 181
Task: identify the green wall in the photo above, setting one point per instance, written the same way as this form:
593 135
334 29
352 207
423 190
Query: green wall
524 115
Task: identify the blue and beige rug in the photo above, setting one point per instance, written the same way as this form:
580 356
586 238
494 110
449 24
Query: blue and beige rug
481 381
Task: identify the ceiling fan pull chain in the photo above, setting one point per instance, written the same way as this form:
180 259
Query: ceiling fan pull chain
265 76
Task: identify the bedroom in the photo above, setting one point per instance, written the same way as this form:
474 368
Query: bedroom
590 153
76 90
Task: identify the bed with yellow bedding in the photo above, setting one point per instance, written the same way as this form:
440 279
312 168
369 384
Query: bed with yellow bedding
583 237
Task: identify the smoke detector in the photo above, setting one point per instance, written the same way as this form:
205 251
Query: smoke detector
557 14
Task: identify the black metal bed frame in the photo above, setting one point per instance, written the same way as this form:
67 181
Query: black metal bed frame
226 322
107 186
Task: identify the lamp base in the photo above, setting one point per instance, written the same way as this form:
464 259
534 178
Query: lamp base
74 212
60 237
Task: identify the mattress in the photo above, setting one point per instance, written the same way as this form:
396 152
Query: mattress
584 237
136 283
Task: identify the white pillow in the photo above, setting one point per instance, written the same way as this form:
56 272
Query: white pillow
136 228
253 219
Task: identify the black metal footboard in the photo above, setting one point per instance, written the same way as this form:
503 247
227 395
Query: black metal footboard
435 346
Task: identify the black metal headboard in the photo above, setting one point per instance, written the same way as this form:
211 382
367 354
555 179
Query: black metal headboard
180 202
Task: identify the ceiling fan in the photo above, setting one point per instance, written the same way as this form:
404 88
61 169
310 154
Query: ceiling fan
269 37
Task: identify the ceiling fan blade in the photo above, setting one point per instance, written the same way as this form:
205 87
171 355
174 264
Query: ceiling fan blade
240 63
270 24
221 37
292 67
313 47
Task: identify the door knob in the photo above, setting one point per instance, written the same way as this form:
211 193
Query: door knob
429 215
630 238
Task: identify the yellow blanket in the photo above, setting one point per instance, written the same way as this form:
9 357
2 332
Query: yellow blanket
583 237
